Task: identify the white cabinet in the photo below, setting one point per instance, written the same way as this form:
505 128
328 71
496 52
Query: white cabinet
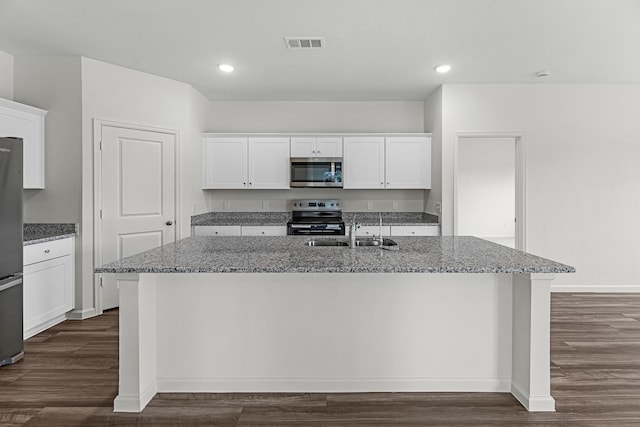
316 146
245 162
224 162
363 162
408 162
415 230
48 284
26 122
401 162
217 230
269 163
264 230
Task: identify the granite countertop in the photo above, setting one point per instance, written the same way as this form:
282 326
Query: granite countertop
290 254
45 232
281 218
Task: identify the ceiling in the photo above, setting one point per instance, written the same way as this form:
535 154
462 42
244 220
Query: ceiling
375 49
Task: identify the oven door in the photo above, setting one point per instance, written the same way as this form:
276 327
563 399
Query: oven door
294 229
316 172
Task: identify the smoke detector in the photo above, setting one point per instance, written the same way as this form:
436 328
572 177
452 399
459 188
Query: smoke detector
304 42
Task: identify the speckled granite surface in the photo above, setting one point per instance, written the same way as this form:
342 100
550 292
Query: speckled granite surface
290 254
391 218
44 232
241 218
281 218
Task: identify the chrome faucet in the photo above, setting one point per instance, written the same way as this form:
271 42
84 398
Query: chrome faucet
380 238
352 233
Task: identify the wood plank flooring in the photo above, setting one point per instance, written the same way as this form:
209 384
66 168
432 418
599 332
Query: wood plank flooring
69 378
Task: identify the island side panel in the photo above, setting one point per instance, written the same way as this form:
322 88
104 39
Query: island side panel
531 377
137 369
334 332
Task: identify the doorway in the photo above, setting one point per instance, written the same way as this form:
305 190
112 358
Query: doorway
135 195
489 188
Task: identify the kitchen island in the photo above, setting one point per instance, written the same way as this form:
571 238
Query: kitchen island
272 314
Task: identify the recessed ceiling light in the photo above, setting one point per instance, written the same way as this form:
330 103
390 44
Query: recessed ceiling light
225 67
444 68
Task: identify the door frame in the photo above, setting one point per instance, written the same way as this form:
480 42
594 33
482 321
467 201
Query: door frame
98 125
520 179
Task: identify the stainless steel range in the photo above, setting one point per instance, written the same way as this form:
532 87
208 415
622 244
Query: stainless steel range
316 217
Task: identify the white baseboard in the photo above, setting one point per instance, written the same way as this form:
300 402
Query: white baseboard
598 289
82 314
44 326
135 403
332 385
533 403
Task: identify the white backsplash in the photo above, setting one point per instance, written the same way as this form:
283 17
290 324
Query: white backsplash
280 200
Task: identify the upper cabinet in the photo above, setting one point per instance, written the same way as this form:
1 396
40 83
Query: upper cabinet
26 122
316 146
363 162
245 162
393 162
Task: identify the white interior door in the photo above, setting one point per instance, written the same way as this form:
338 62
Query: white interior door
486 189
138 196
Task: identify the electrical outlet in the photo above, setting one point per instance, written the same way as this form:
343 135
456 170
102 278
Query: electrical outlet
438 208
395 204
369 205
226 205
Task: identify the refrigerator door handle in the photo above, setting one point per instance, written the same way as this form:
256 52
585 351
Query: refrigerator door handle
11 284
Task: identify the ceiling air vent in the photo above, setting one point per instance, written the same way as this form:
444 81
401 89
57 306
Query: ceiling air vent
304 42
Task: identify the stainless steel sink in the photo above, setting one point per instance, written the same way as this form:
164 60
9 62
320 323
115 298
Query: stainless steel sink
387 243
327 242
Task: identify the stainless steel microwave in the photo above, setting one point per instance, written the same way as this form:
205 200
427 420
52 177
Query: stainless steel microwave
316 172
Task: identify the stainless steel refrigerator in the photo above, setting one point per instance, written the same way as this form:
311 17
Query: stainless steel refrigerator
11 342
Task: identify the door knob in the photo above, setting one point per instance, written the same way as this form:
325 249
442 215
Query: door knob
169 222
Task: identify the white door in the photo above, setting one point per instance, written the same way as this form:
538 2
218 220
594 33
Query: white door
138 196
329 146
363 164
408 162
225 163
269 163
486 189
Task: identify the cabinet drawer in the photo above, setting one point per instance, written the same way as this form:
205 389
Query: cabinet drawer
216 230
47 250
414 230
257 230
370 230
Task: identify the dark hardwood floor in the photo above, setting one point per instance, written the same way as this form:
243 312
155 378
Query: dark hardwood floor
70 372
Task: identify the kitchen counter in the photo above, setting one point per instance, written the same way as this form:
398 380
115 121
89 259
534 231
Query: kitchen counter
44 232
441 314
281 218
290 254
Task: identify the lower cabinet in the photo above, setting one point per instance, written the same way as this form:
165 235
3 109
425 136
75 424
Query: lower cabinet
237 230
48 284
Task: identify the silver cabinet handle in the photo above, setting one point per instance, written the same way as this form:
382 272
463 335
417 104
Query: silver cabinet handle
46 251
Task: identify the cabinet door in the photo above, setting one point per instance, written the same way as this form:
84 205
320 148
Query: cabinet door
269 163
415 230
264 230
329 146
303 146
408 162
48 293
26 122
224 163
363 162
216 230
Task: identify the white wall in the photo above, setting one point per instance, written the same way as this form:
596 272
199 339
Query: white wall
122 95
486 188
6 75
311 116
582 176
433 125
